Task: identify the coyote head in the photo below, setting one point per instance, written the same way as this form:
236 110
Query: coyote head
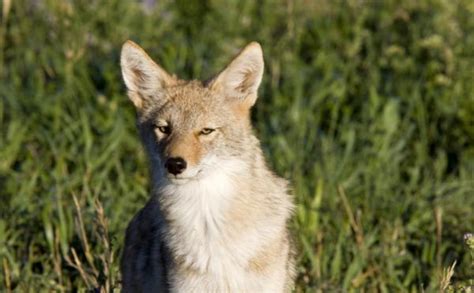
191 128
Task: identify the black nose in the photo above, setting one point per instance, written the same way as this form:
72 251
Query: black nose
175 165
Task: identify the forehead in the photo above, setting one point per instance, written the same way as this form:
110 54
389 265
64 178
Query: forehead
191 102
190 97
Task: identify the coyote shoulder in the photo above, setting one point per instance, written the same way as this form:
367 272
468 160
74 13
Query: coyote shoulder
217 217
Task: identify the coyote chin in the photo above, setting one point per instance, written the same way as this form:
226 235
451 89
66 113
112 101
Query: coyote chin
217 217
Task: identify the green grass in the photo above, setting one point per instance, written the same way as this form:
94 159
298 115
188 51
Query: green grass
367 107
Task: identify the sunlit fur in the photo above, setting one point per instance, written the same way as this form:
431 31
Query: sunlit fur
221 225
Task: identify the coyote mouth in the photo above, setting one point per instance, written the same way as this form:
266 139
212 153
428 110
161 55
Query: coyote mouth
175 178
181 179
178 181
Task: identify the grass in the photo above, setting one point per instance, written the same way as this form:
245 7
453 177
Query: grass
367 107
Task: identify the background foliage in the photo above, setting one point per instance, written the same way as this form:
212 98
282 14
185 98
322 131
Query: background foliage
366 106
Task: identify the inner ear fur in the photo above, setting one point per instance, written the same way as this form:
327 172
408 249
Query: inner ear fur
145 80
241 78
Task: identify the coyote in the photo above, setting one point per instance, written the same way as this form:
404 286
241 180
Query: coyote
217 217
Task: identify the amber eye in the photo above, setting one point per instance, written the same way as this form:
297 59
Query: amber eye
206 131
163 129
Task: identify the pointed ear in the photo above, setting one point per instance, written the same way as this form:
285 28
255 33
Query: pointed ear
241 78
145 80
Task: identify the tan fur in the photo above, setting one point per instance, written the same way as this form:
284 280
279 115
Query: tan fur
221 224
263 259
188 147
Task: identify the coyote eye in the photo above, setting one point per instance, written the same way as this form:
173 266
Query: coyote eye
206 131
164 129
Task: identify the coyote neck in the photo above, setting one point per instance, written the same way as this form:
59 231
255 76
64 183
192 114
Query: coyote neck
202 217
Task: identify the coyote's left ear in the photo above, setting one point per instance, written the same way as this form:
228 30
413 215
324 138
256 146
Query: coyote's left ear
241 78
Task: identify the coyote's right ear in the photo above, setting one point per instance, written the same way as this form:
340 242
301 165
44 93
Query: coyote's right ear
144 79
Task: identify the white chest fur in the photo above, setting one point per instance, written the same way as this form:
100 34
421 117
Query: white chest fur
196 213
201 237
